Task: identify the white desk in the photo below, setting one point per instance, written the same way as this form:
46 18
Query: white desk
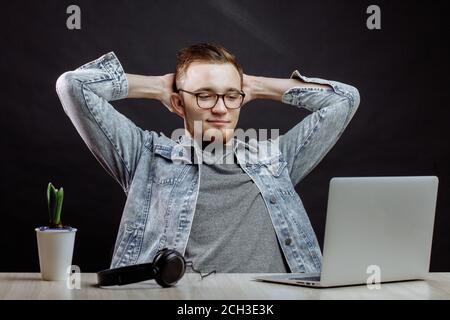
217 286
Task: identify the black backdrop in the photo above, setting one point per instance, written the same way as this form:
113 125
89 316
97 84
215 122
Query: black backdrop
400 128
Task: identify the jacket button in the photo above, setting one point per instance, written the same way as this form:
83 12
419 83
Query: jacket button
288 241
273 200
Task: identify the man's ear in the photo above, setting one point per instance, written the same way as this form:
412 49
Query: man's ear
177 104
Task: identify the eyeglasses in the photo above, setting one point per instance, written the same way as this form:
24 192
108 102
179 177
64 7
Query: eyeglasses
208 100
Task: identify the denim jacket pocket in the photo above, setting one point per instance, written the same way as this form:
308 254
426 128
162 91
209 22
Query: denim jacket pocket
166 171
274 166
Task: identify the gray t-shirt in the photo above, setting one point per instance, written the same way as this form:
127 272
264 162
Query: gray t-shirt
232 230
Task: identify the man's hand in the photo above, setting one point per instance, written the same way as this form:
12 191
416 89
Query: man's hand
167 85
247 87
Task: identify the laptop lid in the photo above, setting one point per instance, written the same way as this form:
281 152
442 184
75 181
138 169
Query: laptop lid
380 227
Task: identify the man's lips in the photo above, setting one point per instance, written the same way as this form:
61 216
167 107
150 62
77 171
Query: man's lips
218 122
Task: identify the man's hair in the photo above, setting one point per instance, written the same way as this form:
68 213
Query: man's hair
203 52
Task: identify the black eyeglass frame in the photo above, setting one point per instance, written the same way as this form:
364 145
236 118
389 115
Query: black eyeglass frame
196 94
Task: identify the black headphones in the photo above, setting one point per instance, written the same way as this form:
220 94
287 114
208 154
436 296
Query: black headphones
167 268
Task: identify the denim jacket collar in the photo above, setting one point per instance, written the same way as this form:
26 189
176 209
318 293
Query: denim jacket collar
251 153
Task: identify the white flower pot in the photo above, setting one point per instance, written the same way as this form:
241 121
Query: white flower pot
55 248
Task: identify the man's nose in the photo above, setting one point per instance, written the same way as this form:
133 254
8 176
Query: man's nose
220 107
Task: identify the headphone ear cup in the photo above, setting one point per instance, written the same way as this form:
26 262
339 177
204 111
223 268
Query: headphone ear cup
161 282
170 266
158 256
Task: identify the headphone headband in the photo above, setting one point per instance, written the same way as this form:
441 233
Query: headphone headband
167 268
126 275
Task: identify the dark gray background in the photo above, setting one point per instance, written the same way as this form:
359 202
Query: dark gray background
401 127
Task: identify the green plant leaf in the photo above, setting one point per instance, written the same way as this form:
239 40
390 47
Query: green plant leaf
58 208
51 199
48 200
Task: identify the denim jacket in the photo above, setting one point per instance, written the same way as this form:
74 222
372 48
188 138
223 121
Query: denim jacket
161 181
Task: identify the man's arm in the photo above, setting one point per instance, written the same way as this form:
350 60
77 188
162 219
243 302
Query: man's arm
115 141
332 104
273 88
151 87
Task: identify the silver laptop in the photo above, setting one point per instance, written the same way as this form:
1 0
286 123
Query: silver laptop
378 229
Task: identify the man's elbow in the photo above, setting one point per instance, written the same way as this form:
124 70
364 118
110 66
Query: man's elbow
351 94
354 92
68 89
64 83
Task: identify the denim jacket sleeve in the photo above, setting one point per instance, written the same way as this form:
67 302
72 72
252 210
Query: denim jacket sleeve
114 140
305 145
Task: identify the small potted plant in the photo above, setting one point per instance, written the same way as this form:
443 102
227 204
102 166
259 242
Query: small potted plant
56 241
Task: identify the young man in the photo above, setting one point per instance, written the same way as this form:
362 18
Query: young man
238 215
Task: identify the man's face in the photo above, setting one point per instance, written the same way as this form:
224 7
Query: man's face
210 78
